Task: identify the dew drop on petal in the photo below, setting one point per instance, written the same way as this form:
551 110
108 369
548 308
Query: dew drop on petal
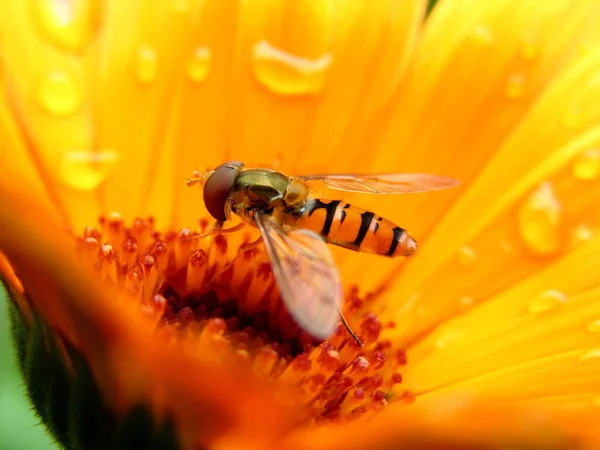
447 337
571 120
481 36
515 85
146 64
85 170
586 48
67 23
582 233
466 255
594 326
59 94
507 246
586 165
287 74
546 301
538 221
529 50
180 6
199 64
588 355
465 302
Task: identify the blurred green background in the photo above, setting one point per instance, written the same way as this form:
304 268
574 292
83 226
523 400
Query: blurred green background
19 428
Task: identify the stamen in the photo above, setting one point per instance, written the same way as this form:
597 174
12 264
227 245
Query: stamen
88 248
149 266
108 261
129 252
225 301
196 270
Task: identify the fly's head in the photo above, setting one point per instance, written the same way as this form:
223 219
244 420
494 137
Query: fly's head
218 188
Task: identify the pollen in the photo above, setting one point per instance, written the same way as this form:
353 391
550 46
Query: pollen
210 287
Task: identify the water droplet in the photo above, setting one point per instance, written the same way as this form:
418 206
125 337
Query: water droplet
586 165
481 36
147 64
85 170
529 50
515 85
570 120
67 23
466 302
199 64
589 355
539 219
586 48
448 337
546 301
465 255
582 233
594 326
287 74
180 5
60 94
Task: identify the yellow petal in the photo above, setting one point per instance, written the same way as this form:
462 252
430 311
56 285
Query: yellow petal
46 96
458 105
130 363
539 151
456 421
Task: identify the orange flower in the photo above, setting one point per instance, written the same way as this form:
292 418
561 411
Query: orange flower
130 333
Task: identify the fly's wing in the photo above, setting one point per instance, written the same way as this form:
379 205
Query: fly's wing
384 183
307 277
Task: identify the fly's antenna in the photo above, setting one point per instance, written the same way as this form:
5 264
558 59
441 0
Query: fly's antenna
199 177
349 330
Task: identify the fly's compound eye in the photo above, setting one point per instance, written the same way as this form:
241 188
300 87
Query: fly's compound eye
218 187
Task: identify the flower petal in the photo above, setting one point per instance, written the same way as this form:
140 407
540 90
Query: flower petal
451 422
534 341
50 91
131 364
297 98
479 69
539 206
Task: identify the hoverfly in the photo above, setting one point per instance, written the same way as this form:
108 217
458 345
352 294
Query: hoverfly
296 228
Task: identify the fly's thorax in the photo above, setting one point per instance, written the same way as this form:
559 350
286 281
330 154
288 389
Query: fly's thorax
258 189
297 192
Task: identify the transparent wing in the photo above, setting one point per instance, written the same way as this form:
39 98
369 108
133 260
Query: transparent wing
384 183
307 277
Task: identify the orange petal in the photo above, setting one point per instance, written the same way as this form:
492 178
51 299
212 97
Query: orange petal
130 363
479 70
285 90
48 98
453 422
535 205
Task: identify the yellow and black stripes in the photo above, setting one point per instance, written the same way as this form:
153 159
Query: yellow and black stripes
366 219
350 227
329 208
398 232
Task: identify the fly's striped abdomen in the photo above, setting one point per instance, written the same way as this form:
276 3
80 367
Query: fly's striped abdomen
356 229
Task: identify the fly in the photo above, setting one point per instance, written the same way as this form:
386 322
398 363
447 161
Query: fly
296 227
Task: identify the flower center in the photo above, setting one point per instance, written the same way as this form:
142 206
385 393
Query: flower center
194 282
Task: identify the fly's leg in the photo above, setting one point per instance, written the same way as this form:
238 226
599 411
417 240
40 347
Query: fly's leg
218 229
349 330
250 245
198 177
